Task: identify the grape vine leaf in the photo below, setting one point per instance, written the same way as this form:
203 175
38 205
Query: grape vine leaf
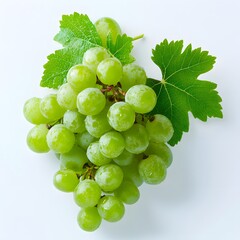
180 91
122 48
78 34
77 26
59 64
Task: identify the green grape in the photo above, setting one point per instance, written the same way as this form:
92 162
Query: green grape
93 56
81 77
74 159
109 71
136 139
131 172
142 98
125 158
84 139
133 74
127 192
65 180
159 128
161 150
89 219
36 139
91 101
60 139
111 208
152 169
111 144
50 108
98 124
87 193
109 177
32 113
121 116
74 121
67 97
95 156
107 26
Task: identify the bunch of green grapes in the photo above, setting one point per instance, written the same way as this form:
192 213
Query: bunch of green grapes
98 125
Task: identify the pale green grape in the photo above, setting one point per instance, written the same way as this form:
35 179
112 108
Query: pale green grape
127 192
109 177
67 97
81 77
74 121
84 139
111 144
125 158
161 150
98 124
95 156
107 26
121 116
111 208
133 74
159 128
131 172
50 108
142 98
32 113
60 139
136 139
91 101
87 193
74 159
152 169
93 56
109 71
65 180
36 139
89 219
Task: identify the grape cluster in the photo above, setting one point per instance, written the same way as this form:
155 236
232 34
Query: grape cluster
98 125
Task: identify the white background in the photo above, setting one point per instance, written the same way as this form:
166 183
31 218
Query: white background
199 200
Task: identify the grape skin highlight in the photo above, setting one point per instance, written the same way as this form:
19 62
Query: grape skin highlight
89 219
37 139
87 193
32 113
109 71
121 116
111 144
50 108
142 98
60 139
109 177
90 101
111 208
81 77
65 180
152 169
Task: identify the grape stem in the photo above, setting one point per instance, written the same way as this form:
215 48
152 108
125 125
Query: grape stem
50 125
117 93
138 37
89 172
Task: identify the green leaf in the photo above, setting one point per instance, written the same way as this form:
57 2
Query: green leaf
77 26
59 63
122 48
180 91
